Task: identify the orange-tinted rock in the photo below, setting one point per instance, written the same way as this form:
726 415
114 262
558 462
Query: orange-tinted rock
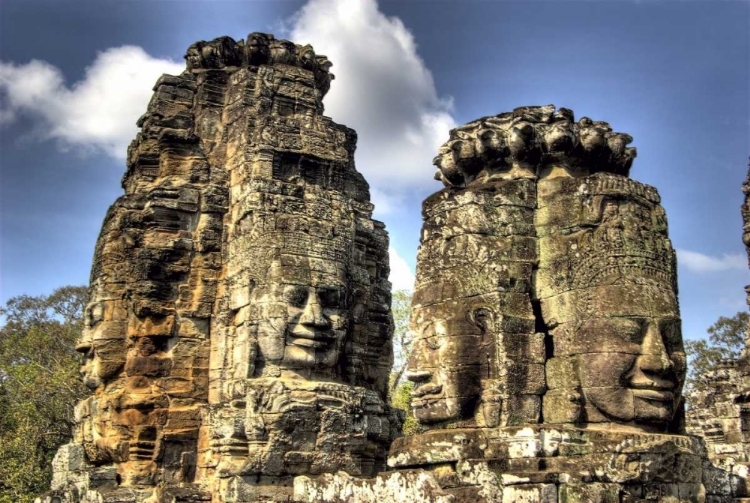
239 327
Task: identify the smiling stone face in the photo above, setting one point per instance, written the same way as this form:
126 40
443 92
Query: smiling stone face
634 365
303 314
607 289
477 361
445 366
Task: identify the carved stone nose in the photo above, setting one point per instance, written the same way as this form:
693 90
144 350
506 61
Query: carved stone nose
653 368
654 356
312 315
418 375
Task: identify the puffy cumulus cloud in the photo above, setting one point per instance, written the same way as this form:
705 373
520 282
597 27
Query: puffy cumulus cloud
97 113
698 262
382 89
401 277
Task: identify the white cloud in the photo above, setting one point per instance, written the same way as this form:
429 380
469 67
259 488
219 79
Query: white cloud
382 89
98 112
698 262
401 277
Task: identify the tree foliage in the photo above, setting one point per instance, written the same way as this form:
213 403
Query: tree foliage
39 384
725 341
403 339
401 399
402 336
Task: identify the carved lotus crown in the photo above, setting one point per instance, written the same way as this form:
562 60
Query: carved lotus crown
259 49
532 137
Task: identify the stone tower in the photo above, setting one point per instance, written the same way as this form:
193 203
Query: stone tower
239 326
534 263
720 405
549 362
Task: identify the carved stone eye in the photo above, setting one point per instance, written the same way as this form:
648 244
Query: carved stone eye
85 354
95 314
432 340
433 343
671 334
330 297
296 296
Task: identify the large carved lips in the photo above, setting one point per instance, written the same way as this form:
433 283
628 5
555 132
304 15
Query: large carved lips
654 379
655 392
654 395
307 337
427 393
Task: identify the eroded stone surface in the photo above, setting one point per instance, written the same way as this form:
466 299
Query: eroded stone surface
548 464
546 283
406 485
549 363
607 287
239 326
238 335
720 407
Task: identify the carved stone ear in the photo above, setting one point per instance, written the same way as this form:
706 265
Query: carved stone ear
358 314
484 318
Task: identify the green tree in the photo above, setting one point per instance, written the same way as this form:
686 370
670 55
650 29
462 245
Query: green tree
402 336
726 340
403 341
39 384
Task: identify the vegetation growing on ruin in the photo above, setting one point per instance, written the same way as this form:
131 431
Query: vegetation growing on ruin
403 338
39 384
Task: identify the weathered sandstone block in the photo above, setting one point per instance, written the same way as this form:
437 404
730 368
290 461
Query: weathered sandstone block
239 326
539 261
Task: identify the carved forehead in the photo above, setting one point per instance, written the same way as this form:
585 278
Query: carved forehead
454 317
298 257
632 299
303 270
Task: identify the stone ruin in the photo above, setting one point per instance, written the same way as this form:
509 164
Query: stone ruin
720 409
238 338
720 414
239 327
549 360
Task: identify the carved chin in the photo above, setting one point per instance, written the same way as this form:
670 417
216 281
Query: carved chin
653 411
614 403
428 411
306 357
627 405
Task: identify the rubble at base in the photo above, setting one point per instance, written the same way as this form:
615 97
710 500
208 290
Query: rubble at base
542 464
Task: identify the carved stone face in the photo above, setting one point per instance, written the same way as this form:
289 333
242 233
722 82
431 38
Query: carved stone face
102 343
282 51
257 48
304 314
445 366
635 366
90 363
220 53
193 57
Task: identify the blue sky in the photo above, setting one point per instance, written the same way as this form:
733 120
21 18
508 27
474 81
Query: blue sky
75 76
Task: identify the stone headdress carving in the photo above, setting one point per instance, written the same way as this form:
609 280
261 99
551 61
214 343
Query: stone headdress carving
622 235
530 138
